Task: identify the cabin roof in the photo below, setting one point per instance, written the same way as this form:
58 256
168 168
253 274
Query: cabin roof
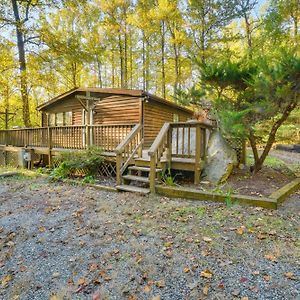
109 92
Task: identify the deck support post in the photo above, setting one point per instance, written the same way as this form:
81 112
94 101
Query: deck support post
199 146
152 175
49 146
169 147
118 168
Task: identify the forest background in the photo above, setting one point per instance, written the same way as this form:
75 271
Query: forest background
161 46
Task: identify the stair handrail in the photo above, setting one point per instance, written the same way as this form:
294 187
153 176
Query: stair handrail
126 150
156 151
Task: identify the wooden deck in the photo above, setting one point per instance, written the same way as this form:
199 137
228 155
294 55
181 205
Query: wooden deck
178 146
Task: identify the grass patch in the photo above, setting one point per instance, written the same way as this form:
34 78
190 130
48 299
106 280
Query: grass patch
186 211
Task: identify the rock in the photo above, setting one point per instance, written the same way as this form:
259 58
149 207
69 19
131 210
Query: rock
221 159
55 275
236 292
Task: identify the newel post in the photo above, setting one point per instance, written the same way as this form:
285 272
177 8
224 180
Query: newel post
198 155
49 131
118 167
152 175
169 146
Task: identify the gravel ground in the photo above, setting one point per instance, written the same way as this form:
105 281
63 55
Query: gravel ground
59 241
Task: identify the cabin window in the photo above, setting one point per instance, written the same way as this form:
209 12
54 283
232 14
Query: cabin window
68 118
175 118
51 119
60 119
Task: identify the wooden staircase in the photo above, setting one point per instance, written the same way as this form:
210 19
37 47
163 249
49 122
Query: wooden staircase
179 146
137 180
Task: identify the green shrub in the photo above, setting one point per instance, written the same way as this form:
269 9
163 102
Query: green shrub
89 179
167 178
88 160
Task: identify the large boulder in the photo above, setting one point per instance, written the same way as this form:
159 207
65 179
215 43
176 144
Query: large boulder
220 160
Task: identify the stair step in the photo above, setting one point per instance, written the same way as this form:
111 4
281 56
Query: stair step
136 178
143 169
131 188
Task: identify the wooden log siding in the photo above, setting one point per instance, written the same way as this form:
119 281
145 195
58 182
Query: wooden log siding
156 115
117 110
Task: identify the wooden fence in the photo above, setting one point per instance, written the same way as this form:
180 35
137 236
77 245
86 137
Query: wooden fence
108 137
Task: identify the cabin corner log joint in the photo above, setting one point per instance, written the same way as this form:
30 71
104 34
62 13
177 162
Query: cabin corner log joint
135 129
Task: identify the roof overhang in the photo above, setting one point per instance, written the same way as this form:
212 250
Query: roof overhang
106 92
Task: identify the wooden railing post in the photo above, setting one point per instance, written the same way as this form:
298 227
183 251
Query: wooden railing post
118 168
88 136
198 155
152 174
169 147
49 130
126 150
140 150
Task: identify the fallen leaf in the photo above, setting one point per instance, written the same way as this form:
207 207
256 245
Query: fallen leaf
206 273
205 290
207 239
10 244
42 229
241 230
254 289
93 267
261 236
107 278
243 279
236 292
267 277
271 257
290 275
23 268
160 283
186 270
81 281
6 279
97 295
156 297
205 252
147 288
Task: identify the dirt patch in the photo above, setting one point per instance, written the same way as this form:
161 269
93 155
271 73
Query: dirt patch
264 183
74 242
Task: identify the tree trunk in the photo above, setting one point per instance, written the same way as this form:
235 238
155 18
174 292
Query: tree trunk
259 160
177 69
113 69
163 73
22 65
144 62
248 34
121 62
99 71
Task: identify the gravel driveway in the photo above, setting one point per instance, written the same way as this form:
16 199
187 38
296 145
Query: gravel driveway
71 242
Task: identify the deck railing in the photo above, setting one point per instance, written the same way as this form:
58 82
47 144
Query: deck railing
128 148
67 137
182 140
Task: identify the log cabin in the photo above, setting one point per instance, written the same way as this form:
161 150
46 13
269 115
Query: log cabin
140 134
101 106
